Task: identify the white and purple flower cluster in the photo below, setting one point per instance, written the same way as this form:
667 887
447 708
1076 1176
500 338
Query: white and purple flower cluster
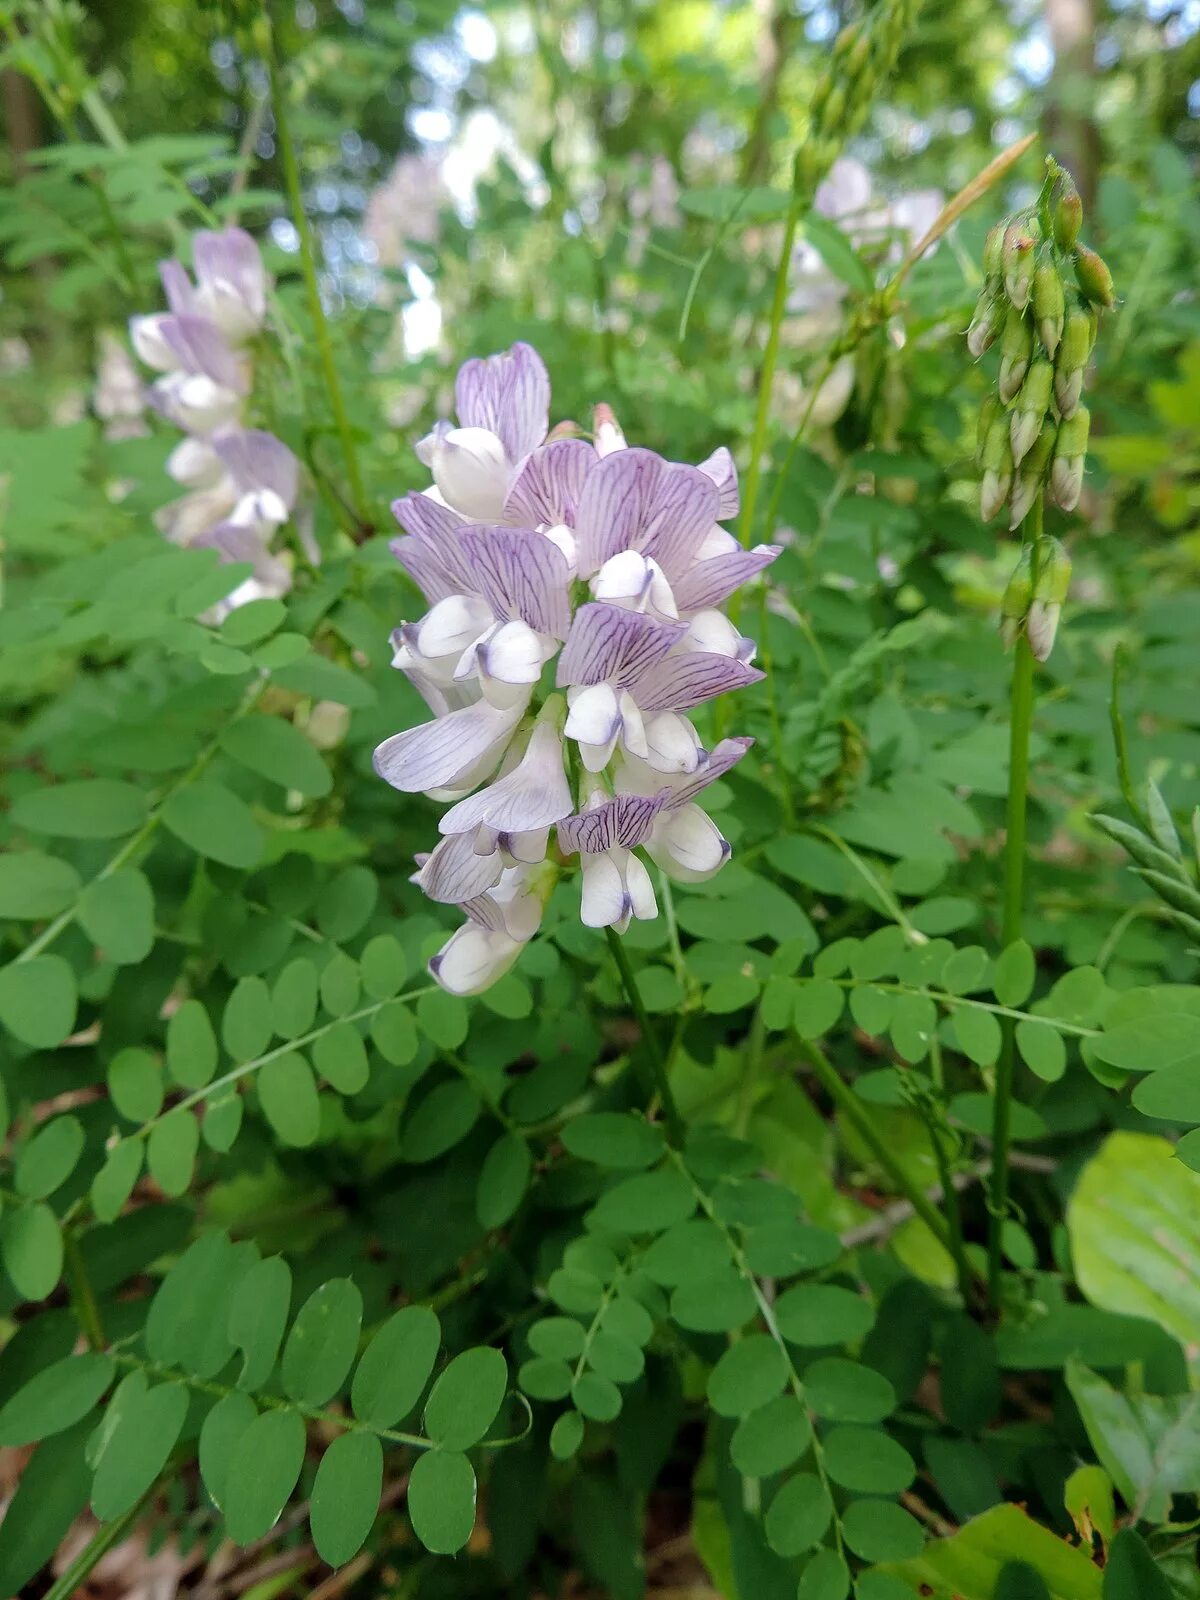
242 482
530 546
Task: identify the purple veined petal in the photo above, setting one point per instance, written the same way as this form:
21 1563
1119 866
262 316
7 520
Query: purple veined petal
678 521
708 583
200 347
722 469
622 819
521 575
434 754
425 517
456 871
547 488
231 284
689 680
177 287
508 394
426 564
721 758
608 644
258 460
533 795
611 507
473 958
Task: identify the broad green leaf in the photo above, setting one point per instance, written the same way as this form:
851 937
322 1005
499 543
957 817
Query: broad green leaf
346 904
258 1315
818 1006
171 1151
92 808
55 1399
395 1367
223 1427
252 622
968 1564
771 1438
287 1092
339 984
826 1577
441 1120
1042 1049
341 1058
394 1035
1132 1572
597 1398
117 914
646 1203
847 1391
782 1249
323 680
262 1472
822 1314
717 1304
322 1344
31 1246
50 1494
137 1449
294 999
46 1162
247 1024
1148 1443
37 1000
1134 1224
1014 973
34 886
798 1515
114 1182
214 822
752 1371
135 1084
878 1530
345 1496
566 1435
187 1322
384 967
463 1403
1088 1497
978 1034
276 750
613 1139
503 1180
444 1018
867 1461
441 1500
192 1052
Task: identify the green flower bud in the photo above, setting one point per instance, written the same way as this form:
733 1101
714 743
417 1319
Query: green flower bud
1067 216
1016 348
1017 598
1094 278
860 55
1049 592
989 407
1020 241
1049 303
1070 451
986 323
1072 359
1030 477
1032 404
993 253
847 39
835 107
997 469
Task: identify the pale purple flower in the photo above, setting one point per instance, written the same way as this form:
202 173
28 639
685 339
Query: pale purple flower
533 546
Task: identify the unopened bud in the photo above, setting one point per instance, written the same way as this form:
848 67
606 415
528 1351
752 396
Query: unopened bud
835 107
1016 347
1020 240
1049 304
1094 278
1072 359
986 324
1030 477
987 415
1067 215
997 470
846 40
1070 451
993 253
1017 598
1049 592
859 55
1032 404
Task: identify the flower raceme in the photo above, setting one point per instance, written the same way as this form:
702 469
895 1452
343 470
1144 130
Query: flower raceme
241 482
534 547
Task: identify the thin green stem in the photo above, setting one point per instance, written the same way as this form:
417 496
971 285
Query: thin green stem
1117 722
657 1078
308 266
72 1582
855 1113
83 1296
1012 902
754 1052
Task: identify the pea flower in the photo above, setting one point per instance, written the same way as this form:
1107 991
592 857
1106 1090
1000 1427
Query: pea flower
242 483
575 591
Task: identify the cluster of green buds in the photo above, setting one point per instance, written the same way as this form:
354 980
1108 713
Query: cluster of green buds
862 57
1041 300
1033 600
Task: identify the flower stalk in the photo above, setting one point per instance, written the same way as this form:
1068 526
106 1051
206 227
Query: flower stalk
658 1081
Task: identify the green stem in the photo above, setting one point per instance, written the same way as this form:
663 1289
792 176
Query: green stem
1012 902
83 1296
1117 722
658 1080
855 1113
308 265
71 1583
